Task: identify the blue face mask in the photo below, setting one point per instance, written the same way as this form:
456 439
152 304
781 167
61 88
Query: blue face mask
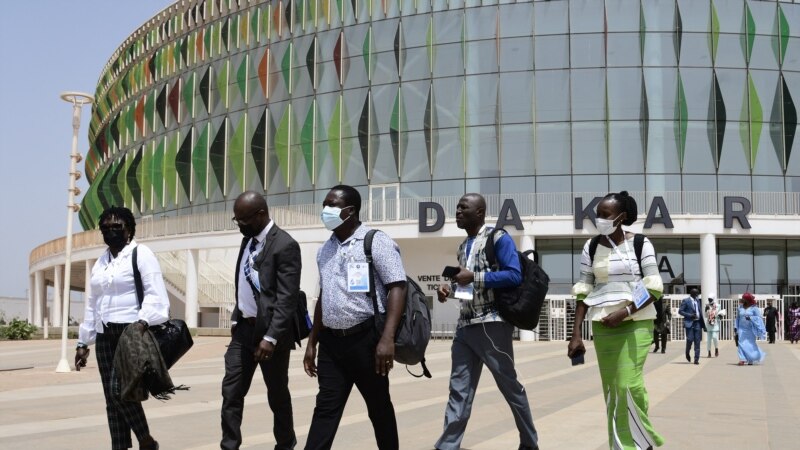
331 217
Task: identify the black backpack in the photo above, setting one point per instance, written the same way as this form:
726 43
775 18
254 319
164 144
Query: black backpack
520 306
414 329
638 244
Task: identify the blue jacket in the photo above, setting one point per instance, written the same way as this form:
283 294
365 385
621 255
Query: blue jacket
687 311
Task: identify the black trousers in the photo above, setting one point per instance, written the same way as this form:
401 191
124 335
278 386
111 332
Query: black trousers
122 416
239 369
341 363
771 335
662 337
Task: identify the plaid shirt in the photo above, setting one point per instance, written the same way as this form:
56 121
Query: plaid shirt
481 308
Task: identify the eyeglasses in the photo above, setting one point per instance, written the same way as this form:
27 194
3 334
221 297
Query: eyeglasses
239 221
112 227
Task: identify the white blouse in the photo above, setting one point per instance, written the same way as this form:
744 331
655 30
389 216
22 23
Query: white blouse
113 292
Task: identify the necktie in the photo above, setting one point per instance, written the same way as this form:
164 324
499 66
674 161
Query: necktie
248 270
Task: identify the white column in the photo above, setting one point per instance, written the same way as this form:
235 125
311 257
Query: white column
192 274
39 297
55 317
708 266
526 242
31 296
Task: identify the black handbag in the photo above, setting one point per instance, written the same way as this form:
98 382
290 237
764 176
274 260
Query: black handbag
173 336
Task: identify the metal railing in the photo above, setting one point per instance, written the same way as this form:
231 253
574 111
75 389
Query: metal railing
407 209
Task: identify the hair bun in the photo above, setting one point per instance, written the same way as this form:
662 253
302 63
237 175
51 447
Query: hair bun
624 193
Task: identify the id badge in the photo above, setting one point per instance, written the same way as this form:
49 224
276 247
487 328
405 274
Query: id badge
464 292
640 294
357 277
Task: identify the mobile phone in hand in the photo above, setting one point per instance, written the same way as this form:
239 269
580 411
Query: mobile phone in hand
578 359
450 271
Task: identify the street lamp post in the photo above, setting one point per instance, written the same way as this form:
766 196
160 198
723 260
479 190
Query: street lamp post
78 100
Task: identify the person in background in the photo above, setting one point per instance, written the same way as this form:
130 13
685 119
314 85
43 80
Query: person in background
712 330
692 311
794 323
113 306
749 327
773 317
622 331
661 330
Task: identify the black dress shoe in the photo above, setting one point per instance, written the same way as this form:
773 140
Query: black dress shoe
688 359
696 362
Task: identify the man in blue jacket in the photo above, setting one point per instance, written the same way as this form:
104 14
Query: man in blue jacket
482 337
692 312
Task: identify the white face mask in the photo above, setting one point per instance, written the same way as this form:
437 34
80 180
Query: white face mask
331 217
605 226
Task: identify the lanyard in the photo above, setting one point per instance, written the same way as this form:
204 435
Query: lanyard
627 253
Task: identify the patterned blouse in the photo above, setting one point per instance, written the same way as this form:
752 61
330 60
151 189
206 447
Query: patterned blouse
607 285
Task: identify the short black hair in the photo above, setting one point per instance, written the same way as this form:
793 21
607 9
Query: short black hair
350 195
628 205
122 213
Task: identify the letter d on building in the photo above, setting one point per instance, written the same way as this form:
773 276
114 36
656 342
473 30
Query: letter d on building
423 217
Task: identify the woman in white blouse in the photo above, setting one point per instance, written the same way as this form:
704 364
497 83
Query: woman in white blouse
617 295
112 306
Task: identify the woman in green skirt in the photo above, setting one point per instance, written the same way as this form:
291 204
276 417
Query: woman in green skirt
616 292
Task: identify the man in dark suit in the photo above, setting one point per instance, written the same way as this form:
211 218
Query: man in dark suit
264 325
773 317
692 312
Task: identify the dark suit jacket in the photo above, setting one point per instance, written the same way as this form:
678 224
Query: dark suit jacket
687 311
278 267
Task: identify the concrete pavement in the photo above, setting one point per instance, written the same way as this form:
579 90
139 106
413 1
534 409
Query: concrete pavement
716 404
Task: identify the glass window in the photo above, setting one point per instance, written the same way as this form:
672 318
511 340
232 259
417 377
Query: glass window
412 37
661 85
385 168
448 27
556 255
552 149
448 92
588 94
415 97
590 186
383 104
586 16
552 95
691 261
695 50
735 261
659 184
448 158
449 61
763 56
767 161
516 97
551 18
669 255
552 52
659 48
516 20
486 186
481 99
448 188
553 196
517 149
739 185
697 85
482 157
415 166
480 57
793 261
416 190
621 16
626 154
695 16
516 54
791 60
587 50
383 33
698 157
735 157
519 189
659 15
623 50
476 21
589 147
770 261
415 64
729 50
624 94
662 150
627 182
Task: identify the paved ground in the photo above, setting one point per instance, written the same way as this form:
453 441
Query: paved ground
715 404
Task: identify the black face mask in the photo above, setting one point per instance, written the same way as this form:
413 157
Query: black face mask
248 231
115 238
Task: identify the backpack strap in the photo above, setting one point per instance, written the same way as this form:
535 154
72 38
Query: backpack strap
137 276
371 266
488 248
593 247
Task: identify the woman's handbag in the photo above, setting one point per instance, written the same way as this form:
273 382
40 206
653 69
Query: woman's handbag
173 336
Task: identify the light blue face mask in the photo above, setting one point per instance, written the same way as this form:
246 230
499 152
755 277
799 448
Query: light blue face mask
331 217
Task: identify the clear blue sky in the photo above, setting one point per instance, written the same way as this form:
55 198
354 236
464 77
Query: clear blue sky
47 47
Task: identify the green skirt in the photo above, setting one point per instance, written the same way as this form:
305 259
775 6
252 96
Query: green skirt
621 353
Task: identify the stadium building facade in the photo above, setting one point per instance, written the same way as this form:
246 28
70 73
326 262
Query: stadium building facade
542 106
